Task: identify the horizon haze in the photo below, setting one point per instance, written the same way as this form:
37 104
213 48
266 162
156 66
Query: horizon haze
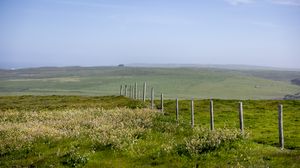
37 33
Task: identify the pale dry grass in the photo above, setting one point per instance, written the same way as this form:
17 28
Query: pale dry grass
115 128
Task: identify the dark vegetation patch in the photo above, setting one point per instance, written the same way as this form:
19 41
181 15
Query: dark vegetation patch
296 81
292 97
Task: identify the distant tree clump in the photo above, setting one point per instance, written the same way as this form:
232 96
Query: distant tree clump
292 97
121 65
296 81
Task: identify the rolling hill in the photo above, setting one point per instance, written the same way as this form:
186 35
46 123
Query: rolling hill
184 82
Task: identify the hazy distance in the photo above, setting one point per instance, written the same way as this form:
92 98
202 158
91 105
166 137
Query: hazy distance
36 33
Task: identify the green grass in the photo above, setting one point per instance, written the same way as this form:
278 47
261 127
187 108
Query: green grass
56 102
260 118
74 131
181 82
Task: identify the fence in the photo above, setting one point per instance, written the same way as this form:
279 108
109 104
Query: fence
134 93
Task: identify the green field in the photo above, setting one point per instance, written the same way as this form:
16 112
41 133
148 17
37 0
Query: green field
114 131
74 117
173 82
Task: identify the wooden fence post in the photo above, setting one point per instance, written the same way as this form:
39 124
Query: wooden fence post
125 90
177 111
162 102
152 98
144 92
192 113
211 115
241 115
135 91
121 89
280 126
139 94
130 91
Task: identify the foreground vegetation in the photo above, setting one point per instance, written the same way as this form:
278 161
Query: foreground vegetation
68 131
182 82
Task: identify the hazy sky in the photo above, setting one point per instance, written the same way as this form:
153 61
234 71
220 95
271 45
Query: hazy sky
110 32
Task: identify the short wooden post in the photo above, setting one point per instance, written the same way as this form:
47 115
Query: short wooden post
241 115
130 91
211 115
139 94
192 113
177 111
280 126
126 90
152 98
162 102
135 91
121 89
144 92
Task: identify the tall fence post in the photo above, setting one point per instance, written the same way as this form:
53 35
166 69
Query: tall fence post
177 111
241 116
126 90
280 126
121 89
144 92
211 115
192 113
152 98
162 102
135 91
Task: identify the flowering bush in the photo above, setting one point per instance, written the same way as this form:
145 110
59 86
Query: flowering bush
204 140
116 128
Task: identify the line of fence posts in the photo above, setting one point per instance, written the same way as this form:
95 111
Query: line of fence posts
130 91
136 94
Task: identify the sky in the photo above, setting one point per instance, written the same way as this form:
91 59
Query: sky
35 33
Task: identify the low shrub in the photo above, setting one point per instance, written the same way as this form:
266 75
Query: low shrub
115 128
204 140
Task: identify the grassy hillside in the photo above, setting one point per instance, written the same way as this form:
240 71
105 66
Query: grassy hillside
182 82
73 131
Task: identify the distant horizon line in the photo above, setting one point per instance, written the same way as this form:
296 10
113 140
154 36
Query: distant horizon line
167 65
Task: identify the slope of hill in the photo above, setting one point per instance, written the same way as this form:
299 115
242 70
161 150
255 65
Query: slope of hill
173 82
82 131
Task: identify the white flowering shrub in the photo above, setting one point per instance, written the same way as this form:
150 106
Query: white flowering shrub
115 128
204 140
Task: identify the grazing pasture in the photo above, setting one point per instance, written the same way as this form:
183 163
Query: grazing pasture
181 82
114 131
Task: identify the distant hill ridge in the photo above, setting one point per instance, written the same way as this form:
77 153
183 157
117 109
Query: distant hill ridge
218 66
